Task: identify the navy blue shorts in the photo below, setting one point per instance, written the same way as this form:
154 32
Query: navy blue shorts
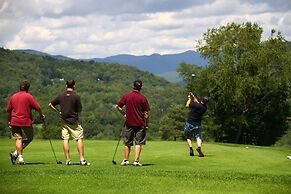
191 131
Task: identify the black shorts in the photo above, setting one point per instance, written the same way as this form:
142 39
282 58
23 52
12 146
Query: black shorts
137 133
24 133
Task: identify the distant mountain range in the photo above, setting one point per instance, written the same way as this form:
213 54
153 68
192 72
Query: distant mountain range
163 65
156 63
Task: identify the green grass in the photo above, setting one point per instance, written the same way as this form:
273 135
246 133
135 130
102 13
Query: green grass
227 168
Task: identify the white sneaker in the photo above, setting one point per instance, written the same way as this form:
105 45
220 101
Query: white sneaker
136 163
68 162
13 158
124 163
21 162
85 163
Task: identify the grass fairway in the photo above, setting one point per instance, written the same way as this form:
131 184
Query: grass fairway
168 168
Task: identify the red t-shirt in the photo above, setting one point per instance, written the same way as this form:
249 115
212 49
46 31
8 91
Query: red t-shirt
136 104
20 105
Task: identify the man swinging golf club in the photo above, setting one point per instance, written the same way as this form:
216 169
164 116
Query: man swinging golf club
136 114
71 106
193 124
20 119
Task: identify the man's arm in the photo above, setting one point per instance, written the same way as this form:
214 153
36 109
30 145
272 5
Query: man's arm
54 108
146 118
79 105
188 102
191 97
120 110
9 117
41 115
195 99
9 112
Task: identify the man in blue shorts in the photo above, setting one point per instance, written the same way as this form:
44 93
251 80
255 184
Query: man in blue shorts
193 124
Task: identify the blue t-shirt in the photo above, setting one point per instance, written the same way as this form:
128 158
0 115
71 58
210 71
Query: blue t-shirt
196 113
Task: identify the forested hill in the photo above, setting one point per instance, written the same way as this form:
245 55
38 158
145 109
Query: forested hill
100 85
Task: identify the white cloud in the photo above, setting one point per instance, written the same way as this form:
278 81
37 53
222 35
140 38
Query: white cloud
98 29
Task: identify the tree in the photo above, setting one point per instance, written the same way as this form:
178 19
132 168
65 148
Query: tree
248 82
172 124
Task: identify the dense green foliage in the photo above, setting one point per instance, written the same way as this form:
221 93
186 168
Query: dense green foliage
226 169
100 86
248 82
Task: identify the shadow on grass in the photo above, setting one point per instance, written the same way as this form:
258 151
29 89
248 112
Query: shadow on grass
208 155
35 163
143 165
148 164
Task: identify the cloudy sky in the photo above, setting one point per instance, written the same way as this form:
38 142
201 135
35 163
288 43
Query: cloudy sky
98 28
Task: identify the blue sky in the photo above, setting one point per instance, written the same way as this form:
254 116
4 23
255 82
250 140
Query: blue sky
97 28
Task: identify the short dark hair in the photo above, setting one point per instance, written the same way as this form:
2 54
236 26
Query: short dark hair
70 83
24 85
205 99
137 84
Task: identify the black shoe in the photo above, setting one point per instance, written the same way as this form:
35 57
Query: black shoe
12 158
191 153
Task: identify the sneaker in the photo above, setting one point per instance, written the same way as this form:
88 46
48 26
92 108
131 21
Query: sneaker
13 158
191 152
84 163
136 163
21 162
124 163
68 162
200 152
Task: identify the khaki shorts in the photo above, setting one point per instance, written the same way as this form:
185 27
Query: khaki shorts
24 133
74 131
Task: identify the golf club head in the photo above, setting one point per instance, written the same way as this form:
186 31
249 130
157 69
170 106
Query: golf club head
113 162
59 162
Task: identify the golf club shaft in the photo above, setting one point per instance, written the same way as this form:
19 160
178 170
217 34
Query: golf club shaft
192 87
121 132
45 126
53 151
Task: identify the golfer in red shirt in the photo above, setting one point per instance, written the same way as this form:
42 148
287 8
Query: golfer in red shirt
20 119
136 114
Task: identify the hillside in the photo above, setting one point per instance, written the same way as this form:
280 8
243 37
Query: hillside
100 85
162 65
34 52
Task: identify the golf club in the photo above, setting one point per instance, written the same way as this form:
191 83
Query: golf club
192 86
121 132
45 127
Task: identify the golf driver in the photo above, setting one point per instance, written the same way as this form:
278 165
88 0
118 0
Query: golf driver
192 86
45 127
121 132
